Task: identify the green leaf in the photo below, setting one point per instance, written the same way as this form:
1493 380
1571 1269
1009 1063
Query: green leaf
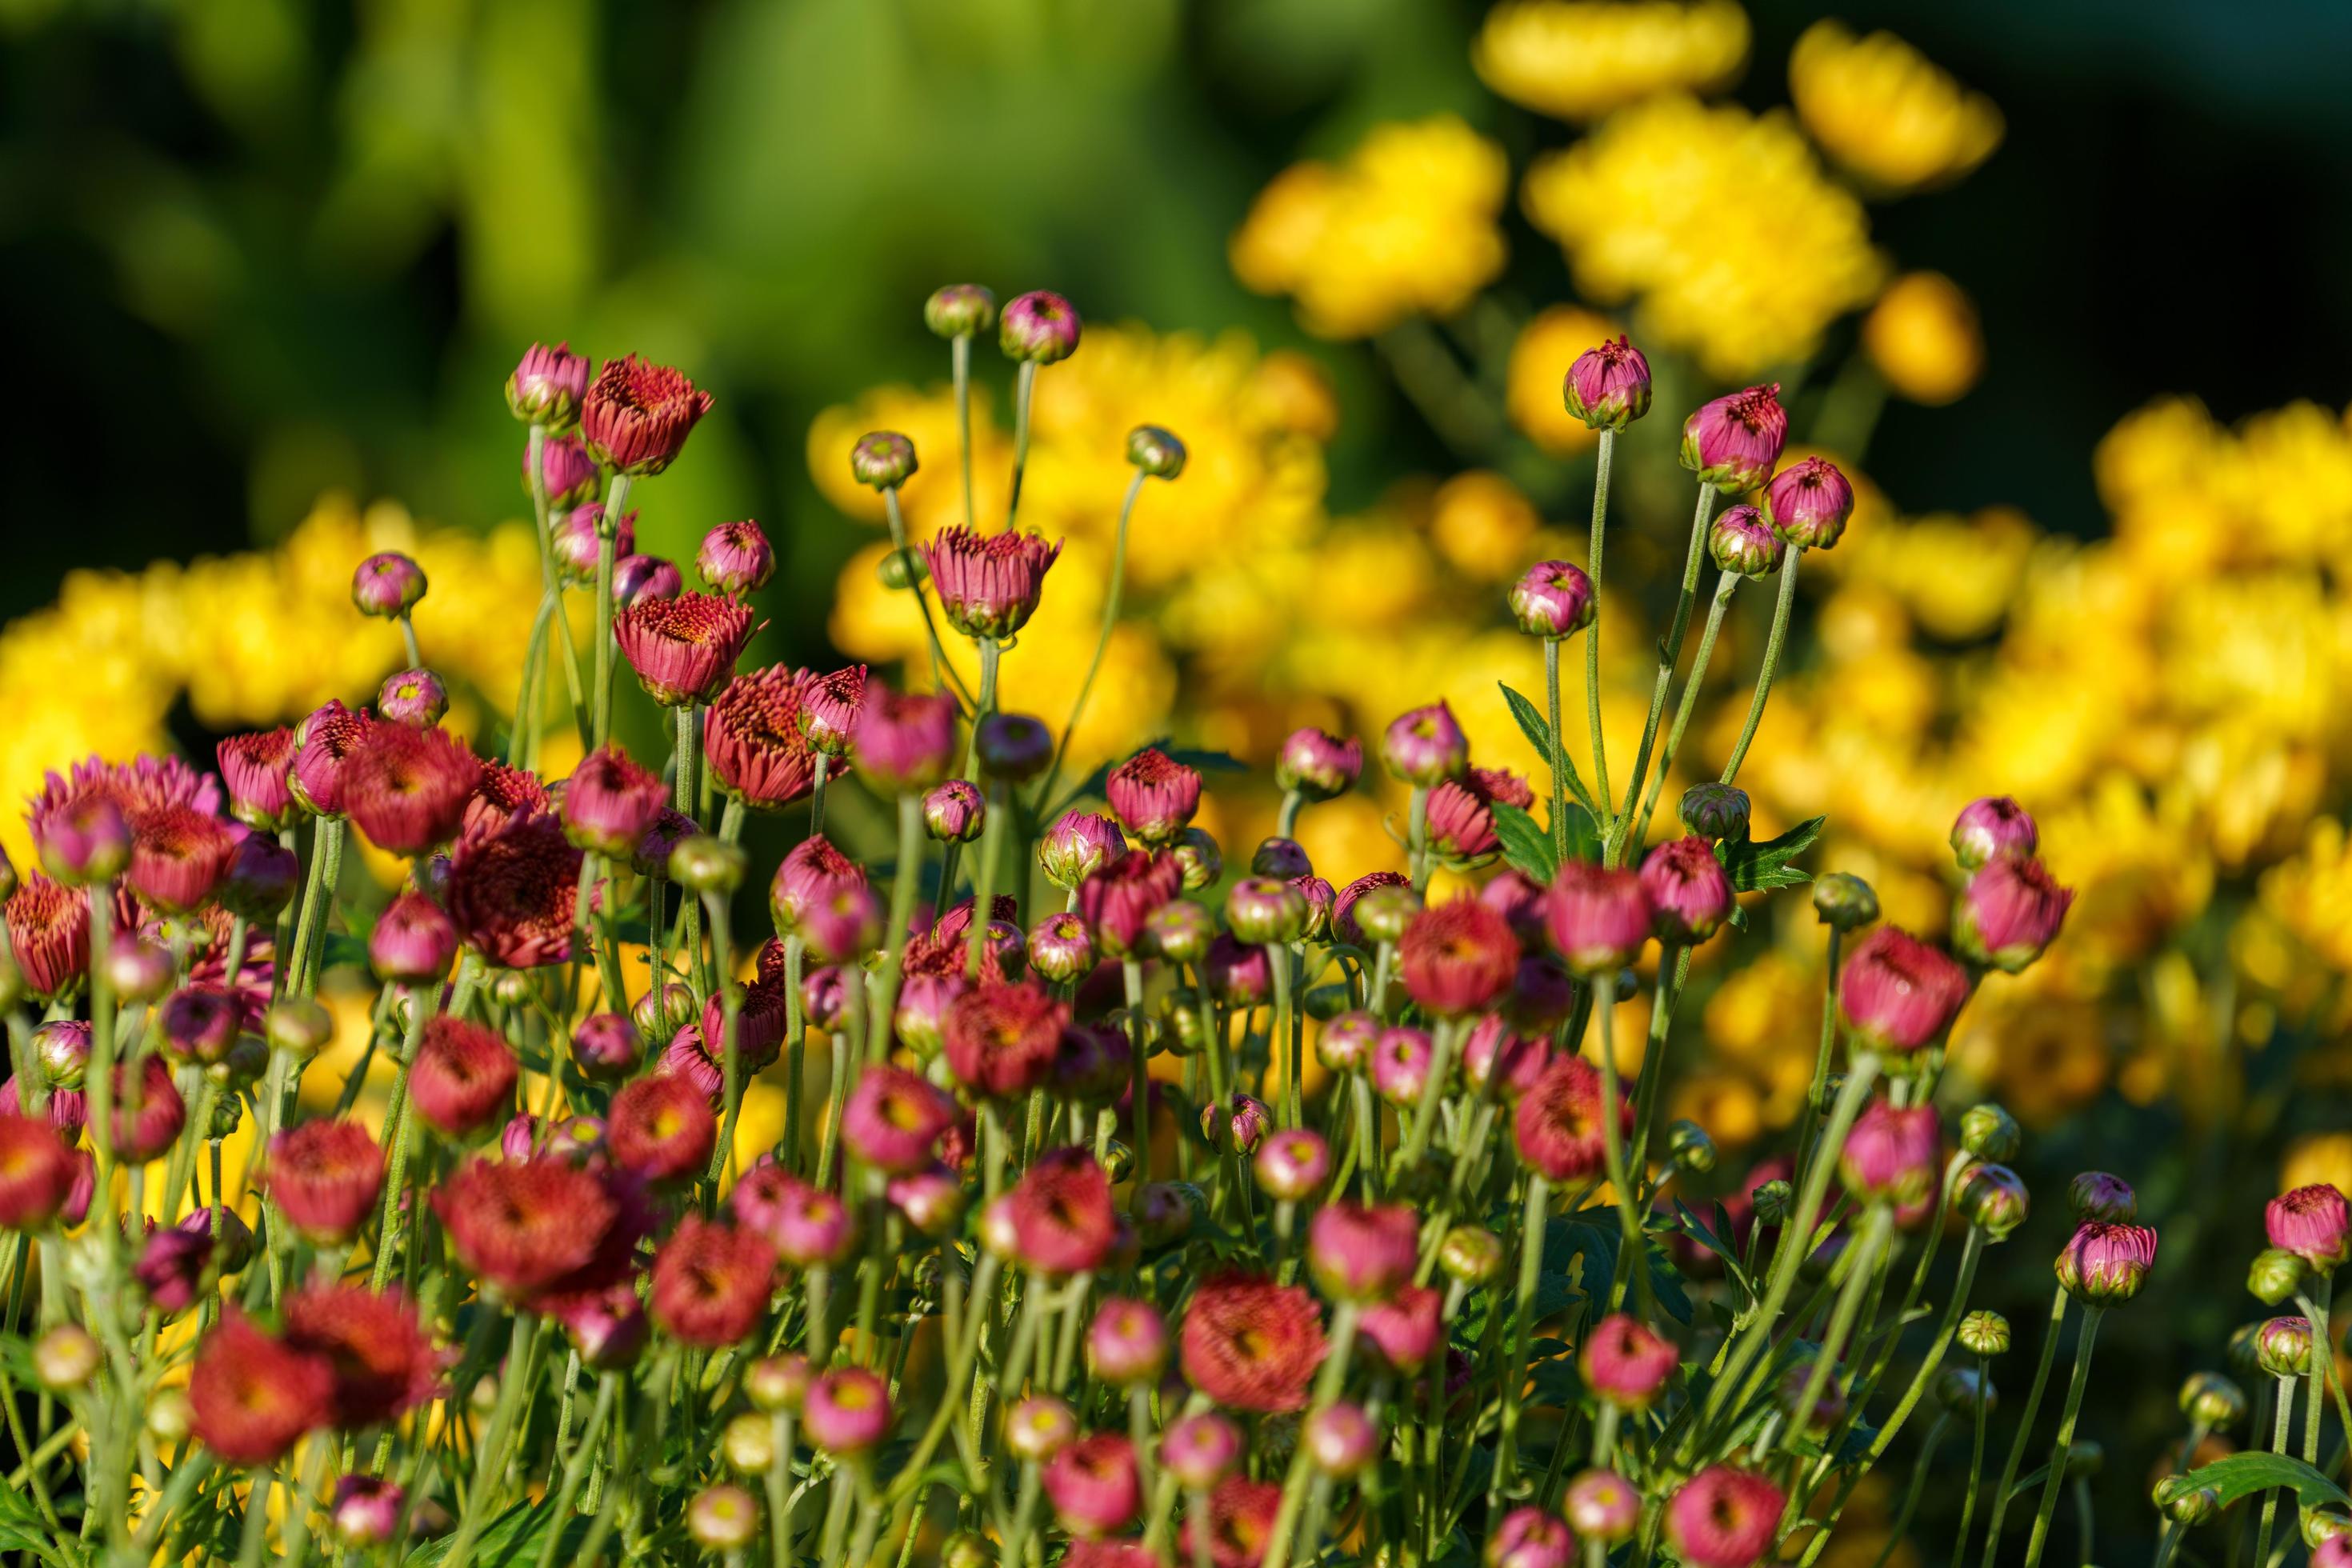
514 1539
1526 849
1754 865
1537 729
2243 1475
1584 834
343 950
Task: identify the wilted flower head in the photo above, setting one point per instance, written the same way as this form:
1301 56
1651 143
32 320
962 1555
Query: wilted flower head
989 584
1251 1344
1424 745
1808 503
1724 1517
1625 1361
2009 912
1732 442
1608 386
1898 994
636 416
1993 828
2104 1265
1153 794
1553 599
1318 764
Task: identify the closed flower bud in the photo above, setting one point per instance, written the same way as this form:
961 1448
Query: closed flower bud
1690 895
778 1383
1318 765
1890 1155
1425 745
1959 1390
2313 1223
1553 599
883 460
1186 932
1385 912
1844 901
1808 503
1993 1199
2282 1347
388 584
2212 1400
1988 1131
1607 385
1078 845
1689 1147
1280 858
1738 541
1015 747
1156 451
297 1026
706 864
748 1443
1603 1506
1732 442
960 311
413 697
1471 1254
723 1519
547 386
953 812
1039 1427
1038 328
1716 811
2275 1275
2009 912
1771 1202
1985 1333
2105 1265
1261 910
1993 828
1198 859
1292 1166
66 1358
2183 1501
2096 1195
639 578
1342 1440
1059 948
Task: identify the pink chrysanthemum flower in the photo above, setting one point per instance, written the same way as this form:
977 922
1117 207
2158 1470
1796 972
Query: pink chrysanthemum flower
830 704
1251 1344
662 1128
48 935
1001 1038
511 895
1994 827
325 1177
1318 764
1406 1330
2010 912
178 856
1558 1125
904 743
1599 919
847 1411
382 1359
501 794
1239 1522
808 1226
324 743
1360 1253
1153 794
2104 1265
1891 1154
1060 1214
1456 958
2315 1223
755 740
1424 745
36 1172
893 1120
636 415
1690 896
255 767
1094 1485
711 1283
1732 442
463 1076
1116 900
407 788
1624 1363
1461 820
1898 994
736 558
989 584
522 1226
609 801
683 650
1724 1517
1607 385
1808 503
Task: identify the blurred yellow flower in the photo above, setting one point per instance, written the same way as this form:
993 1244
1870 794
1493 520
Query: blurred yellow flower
1534 393
2311 895
1481 523
1924 337
1577 59
1887 113
1719 222
1406 225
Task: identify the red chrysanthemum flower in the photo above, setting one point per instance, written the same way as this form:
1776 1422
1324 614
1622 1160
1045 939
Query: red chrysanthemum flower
1240 1520
407 788
989 584
134 788
683 650
253 1395
523 1226
753 736
48 935
323 746
148 1130
1153 794
1001 1038
463 1076
830 704
1724 1517
1094 1484
501 794
325 1177
1116 900
1897 993
512 894
1558 1125
1061 1214
1461 821
711 1283
893 1120
661 1127
254 766
36 1172
610 803
1457 957
1251 1344
384 1361
637 414
178 856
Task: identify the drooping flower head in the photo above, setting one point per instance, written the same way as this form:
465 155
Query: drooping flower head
1461 818
1456 958
253 1395
1732 442
2313 1223
711 1283
463 1076
510 894
736 558
683 650
255 766
756 737
1154 795
1117 898
1553 599
1251 1344
989 584
1808 503
2009 912
1425 744
1898 994
1318 764
905 742
1891 1154
1608 386
1600 918
636 415
1994 827
1724 1517
2104 1265
407 788
1558 1125
522 1226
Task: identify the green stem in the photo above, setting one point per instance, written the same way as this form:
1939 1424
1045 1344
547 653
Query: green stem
1598 539
422 1000
1559 758
1633 1245
1024 389
1976 1460
1140 1082
1111 599
616 496
902 910
1861 1265
1724 588
2282 1431
1781 609
2084 1341
943 672
960 357
1531 1240
2024 1427
1670 654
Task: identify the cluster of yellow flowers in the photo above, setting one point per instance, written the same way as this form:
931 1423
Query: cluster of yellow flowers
255 638
1577 61
1888 114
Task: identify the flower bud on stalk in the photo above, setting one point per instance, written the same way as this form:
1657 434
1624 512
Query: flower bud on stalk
2282 1347
2210 1399
548 388
1808 503
1157 452
1198 858
1602 1505
1988 1131
1716 811
1738 541
1318 765
1844 901
2009 912
2105 1265
1985 1333
388 584
1993 1199
1039 327
1553 599
1732 442
1607 385
2275 1275
1993 828
1425 745
2315 1223
736 558
953 812
2096 1195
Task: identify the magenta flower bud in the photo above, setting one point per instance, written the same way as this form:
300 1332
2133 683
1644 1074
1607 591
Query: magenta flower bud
611 802
1808 503
2009 914
1456 958
1733 442
1402 1059
1013 747
1316 765
1738 541
139 971
566 470
1425 745
198 1023
923 1007
1494 1056
824 996
1292 1166
953 812
2104 1265
1128 1343
1890 1155
2098 1196
607 1047
575 541
810 870
1261 910
2282 1347
905 743
1460 819
1602 1505
1342 1440
883 460
1091 1063
1153 795
1690 896
1608 386
412 941
1625 1363
844 925
86 841
1079 844
893 1120
1237 973
549 386
931 1200
609 1328
636 415
387 585
1715 811
1993 1199
1201 1450
255 767
989 584
1406 1331
1040 1426
809 1227
2313 1223
1993 828
1898 994
1059 949
413 697
1357 1253
1094 1485
829 706
1723 1518
1599 919
1243 1121
960 311
1118 899
1038 327
259 882
683 650
1283 858
366 1510
1553 599
736 558
1530 1538
1320 900
639 578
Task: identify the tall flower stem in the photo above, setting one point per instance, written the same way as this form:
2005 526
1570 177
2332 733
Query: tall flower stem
685 750
1596 540
1818 1088
1327 1385
1111 599
1670 654
2084 1341
817 780
1559 758
490 1457
1782 608
902 910
943 672
1139 1081
1024 389
2282 1434
1725 587
422 1001
1633 1245
2024 1427
1417 837
1861 1263
1523 1306
2314 1303
984 879
1971 1254
1976 1460
730 1056
1444 1043
551 588
616 496
959 359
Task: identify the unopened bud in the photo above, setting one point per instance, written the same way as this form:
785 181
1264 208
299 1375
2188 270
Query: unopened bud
707 865
1689 1146
1988 1131
2212 1401
1985 1333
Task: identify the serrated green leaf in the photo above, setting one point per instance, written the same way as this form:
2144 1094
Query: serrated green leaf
1754 865
2243 1475
1526 849
1537 729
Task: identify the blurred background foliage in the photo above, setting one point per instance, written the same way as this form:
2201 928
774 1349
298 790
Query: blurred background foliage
2068 300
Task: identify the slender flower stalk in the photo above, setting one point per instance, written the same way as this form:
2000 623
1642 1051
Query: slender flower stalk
1112 603
2060 1449
1725 584
1783 608
617 498
2009 1468
1670 653
1597 537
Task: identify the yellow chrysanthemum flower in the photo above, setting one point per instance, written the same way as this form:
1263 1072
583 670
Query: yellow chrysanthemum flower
2311 895
1482 524
1406 225
1577 59
1720 223
1924 337
1887 113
